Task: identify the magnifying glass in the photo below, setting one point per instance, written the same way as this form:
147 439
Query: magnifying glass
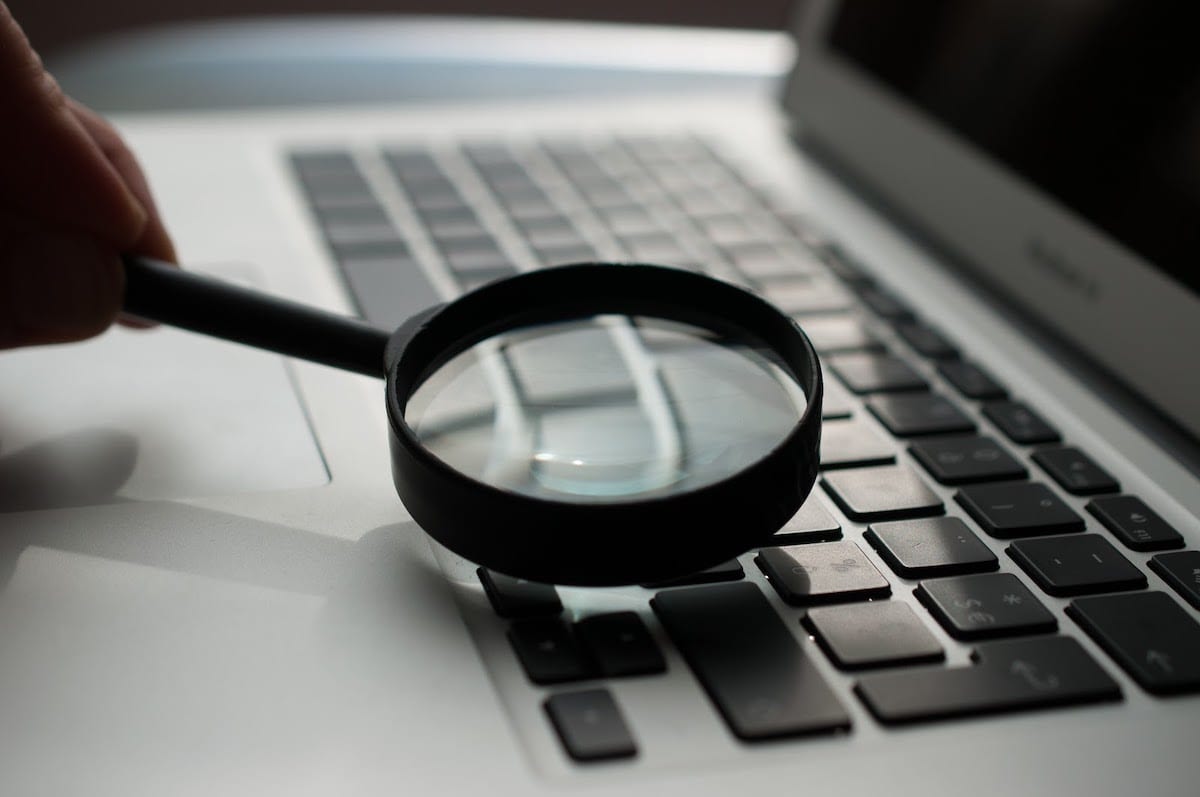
591 424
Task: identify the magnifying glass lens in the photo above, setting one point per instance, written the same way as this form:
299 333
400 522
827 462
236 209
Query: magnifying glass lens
606 409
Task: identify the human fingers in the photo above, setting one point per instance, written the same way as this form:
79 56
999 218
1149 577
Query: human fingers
55 285
51 169
154 241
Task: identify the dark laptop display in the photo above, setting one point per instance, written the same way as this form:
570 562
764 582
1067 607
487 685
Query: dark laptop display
1098 103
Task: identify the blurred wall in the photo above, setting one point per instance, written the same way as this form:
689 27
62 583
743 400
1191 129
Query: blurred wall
56 24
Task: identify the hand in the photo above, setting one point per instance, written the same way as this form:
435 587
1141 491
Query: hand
72 200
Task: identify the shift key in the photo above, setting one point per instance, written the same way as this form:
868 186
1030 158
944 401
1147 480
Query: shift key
748 662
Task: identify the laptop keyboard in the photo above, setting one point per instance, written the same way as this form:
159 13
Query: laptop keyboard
907 408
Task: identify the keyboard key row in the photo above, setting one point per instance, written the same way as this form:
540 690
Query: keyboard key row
849 617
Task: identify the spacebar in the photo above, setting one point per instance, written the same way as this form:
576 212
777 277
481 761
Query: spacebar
748 662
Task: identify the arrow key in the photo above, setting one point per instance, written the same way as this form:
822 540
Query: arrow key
1182 571
1152 637
590 725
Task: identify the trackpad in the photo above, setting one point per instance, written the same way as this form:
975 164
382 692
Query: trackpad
146 415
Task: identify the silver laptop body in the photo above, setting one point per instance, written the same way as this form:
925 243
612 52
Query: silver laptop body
210 586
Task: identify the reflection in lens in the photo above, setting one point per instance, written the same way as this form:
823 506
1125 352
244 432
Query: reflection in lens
605 409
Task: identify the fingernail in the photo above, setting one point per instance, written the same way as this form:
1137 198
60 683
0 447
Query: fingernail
61 287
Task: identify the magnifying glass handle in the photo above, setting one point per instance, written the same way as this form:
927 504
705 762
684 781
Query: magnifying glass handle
160 292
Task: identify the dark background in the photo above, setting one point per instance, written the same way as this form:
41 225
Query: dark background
56 24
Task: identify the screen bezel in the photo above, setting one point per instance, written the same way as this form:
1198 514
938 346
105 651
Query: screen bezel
1102 297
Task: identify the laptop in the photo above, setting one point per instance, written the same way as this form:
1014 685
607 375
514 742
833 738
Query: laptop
980 213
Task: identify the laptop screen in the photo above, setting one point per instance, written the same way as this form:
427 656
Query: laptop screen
1096 102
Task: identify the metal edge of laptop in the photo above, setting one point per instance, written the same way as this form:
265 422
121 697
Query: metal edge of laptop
1102 298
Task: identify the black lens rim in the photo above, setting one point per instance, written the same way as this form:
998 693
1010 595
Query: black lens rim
607 544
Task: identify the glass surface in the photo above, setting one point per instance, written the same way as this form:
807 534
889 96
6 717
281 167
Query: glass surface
1097 102
605 409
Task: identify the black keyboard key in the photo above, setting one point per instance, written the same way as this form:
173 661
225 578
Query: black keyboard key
884 304
470 280
940 546
439 197
323 161
333 203
1012 675
875 373
985 605
1133 523
619 645
480 240
765 262
726 571
389 249
358 214
412 163
631 220
852 444
839 333
535 207
846 267
748 662
453 223
1019 423
655 248
1181 570
351 237
965 460
1075 471
804 296
908 415
838 402
830 572
388 289
590 725
874 634
927 341
1018 509
1152 637
516 597
729 230
1076 565
563 255
971 380
548 651
887 492
813 523
334 183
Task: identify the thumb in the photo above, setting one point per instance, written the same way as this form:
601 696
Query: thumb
56 287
